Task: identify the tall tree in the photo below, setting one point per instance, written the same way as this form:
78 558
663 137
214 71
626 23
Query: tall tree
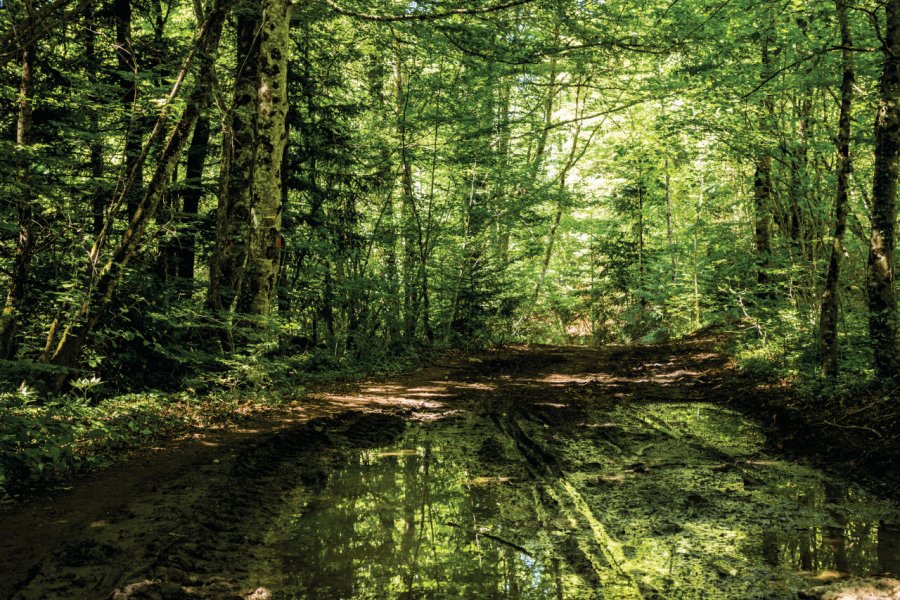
881 291
190 197
128 80
15 296
762 179
236 176
264 255
828 320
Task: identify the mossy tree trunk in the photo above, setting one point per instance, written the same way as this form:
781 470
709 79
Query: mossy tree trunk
15 296
264 251
882 295
238 151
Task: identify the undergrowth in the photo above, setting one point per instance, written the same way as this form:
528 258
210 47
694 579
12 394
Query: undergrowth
855 414
43 439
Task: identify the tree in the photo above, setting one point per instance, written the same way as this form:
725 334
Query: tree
25 243
238 148
265 243
828 322
882 291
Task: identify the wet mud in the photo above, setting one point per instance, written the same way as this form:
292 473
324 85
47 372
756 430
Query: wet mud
533 473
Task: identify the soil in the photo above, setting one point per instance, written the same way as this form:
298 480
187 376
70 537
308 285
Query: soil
634 471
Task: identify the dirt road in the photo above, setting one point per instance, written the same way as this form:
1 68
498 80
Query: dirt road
533 473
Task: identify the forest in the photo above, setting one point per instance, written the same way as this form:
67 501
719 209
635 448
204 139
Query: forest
217 213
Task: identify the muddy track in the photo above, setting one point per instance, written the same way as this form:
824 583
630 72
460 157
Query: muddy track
540 472
198 533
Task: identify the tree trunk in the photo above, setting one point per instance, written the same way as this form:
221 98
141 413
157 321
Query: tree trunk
504 95
128 83
193 192
669 235
15 296
641 261
828 320
548 251
238 146
762 189
96 143
283 291
263 259
881 292
167 218
408 212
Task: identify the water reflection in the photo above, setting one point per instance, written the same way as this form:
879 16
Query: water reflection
670 498
813 523
848 540
413 523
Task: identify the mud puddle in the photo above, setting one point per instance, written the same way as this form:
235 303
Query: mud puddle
650 500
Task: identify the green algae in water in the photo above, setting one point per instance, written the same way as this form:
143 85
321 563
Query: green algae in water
708 514
662 500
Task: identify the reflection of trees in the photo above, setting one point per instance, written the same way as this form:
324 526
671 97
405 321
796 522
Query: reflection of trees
834 495
845 540
888 550
381 531
422 523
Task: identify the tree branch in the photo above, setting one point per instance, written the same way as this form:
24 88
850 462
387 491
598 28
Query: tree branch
422 16
36 25
798 62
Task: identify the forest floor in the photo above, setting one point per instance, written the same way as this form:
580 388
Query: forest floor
532 472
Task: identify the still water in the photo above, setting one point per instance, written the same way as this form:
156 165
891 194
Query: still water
655 501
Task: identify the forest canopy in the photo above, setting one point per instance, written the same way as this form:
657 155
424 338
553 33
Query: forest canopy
192 189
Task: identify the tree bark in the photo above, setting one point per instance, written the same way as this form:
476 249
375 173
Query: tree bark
193 192
762 191
15 297
263 258
96 144
127 76
881 293
238 148
828 346
670 238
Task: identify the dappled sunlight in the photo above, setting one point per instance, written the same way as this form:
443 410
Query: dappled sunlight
580 378
470 385
341 402
677 375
